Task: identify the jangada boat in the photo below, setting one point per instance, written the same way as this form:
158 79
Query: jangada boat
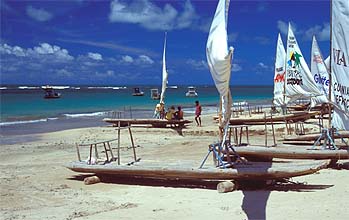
191 92
50 93
137 92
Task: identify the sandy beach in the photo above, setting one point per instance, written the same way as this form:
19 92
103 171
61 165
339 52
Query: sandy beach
36 185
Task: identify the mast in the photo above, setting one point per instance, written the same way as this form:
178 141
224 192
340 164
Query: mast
330 73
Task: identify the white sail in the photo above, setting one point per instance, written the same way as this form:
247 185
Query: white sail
340 64
327 63
164 73
319 70
299 80
219 58
279 77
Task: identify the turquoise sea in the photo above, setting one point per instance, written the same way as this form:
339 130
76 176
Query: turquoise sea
24 105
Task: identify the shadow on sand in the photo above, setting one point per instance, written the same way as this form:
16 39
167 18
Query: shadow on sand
211 185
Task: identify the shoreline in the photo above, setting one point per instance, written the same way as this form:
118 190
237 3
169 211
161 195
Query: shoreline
34 125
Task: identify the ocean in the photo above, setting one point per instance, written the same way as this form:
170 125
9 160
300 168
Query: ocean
24 110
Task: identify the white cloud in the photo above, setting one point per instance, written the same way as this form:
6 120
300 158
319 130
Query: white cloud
38 14
236 67
110 73
95 56
64 73
262 65
282 26
262 68
16 50
143 59
262 40
50 51
127 59
262 7
232 37
150 16
322 32
187 17
44 51
197 64
140 60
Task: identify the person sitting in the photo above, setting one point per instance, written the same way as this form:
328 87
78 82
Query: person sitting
157 111
179 113
170 113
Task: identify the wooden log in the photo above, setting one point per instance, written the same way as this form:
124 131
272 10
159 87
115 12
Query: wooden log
226 186
253 170
91 180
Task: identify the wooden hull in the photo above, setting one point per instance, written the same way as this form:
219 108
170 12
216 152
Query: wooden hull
314 137
52 97
250 171
153 122
299 116
299 107
290 153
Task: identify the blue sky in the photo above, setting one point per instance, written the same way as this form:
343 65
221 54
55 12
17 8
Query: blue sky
120 42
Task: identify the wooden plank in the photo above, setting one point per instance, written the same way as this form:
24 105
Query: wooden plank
250 171
294 117
291 153
314 137
154 122
301 116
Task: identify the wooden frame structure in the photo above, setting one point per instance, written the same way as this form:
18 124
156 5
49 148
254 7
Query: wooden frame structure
107 147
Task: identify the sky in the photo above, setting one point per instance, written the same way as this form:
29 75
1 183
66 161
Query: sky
120 42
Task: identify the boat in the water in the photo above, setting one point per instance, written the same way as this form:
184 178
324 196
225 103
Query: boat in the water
191 92
137 92
172 87
154 94
50 93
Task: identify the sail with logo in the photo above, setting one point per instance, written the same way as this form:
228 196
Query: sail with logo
279 77
219 58
319 69
164 73
340 64
299 82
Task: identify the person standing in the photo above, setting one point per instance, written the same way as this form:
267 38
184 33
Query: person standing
197 113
